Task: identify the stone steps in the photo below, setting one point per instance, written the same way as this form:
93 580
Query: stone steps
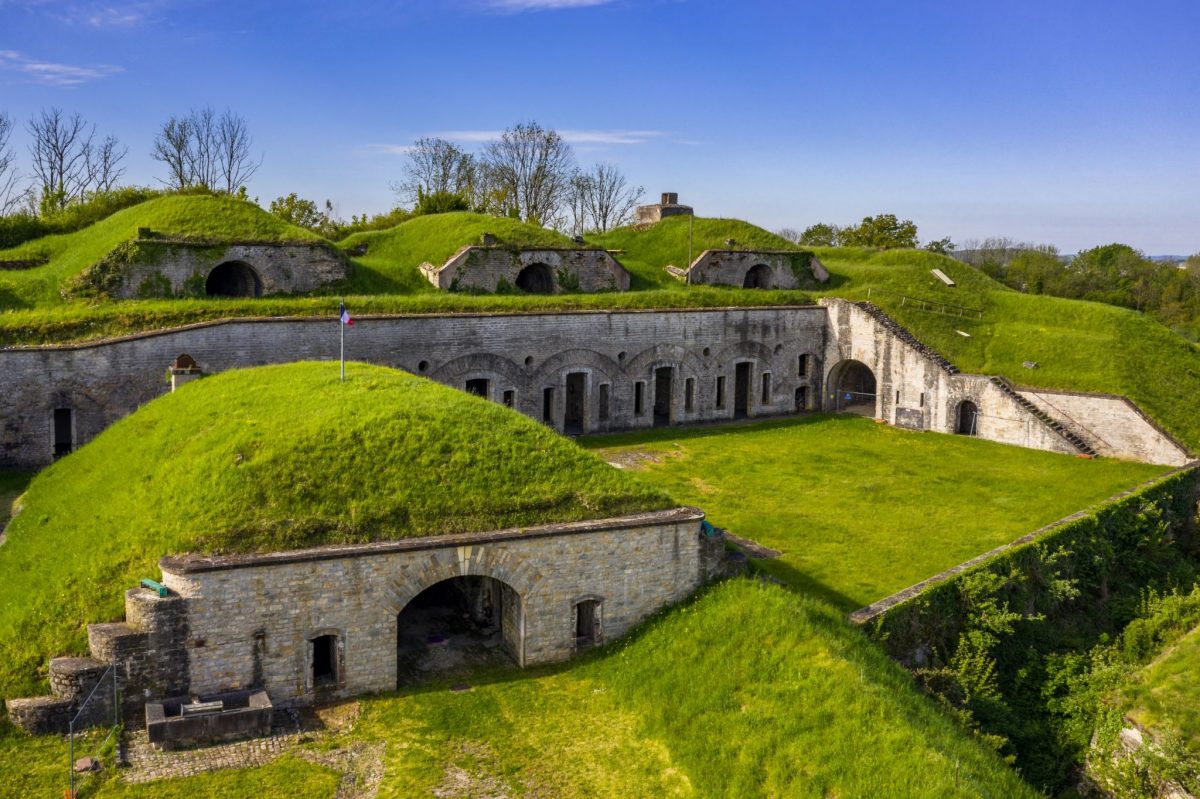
1043 417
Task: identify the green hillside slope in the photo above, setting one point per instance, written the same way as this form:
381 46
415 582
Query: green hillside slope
393 255
278 458
188 216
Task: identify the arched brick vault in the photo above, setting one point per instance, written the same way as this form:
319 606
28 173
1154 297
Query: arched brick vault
745 349
470 560
451 371
569 360
647 360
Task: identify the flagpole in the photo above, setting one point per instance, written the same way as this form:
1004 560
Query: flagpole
342 332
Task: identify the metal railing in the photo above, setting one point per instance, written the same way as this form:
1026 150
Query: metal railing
932 306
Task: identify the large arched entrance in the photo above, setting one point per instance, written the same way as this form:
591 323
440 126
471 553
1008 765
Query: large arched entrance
852 388
967 423
536 279
758 277
457 625
233 279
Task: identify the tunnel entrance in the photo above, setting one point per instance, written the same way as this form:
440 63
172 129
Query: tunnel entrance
758 277
576 411
536 279
968 418
455 625
233 279
853 388
662 395
741 390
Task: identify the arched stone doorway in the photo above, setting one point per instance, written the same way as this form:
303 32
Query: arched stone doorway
458 624
233 279
536 279
758 277
852 388
967 423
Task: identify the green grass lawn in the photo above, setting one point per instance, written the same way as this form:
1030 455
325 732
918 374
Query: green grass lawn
276 458
183 216
12 485
861 510
1166 692
747 691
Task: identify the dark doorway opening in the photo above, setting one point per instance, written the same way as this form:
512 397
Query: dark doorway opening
64 437
576 410
758 277
324 661
457 625
536 279
639 398
587 623
968 418
853 388
662 395
548 405
802 398
604 410
233 279
741 390
478 387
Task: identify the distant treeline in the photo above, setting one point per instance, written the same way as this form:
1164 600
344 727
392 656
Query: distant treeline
1116 274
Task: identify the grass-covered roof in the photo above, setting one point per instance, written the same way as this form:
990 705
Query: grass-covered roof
203 217
273 458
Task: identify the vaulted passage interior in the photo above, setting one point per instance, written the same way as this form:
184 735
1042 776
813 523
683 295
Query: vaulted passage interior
459 623
757 277
852 388
575 414
536 279
233 279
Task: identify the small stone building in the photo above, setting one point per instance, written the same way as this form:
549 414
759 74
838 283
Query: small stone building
670 206
756 269
534 270
153 267
330 622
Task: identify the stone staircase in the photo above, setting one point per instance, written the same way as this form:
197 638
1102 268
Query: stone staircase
1043 417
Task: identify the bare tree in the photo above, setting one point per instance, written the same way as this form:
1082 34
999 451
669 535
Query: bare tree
59 157
789 233
206 151
610 199
104 164
10 198
437 166
532 166
235 163
577 203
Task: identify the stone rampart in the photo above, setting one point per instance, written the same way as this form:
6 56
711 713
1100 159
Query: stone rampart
536 270
756 269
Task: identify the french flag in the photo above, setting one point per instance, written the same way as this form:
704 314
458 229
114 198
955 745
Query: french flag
344 315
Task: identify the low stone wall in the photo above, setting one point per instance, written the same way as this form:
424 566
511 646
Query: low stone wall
550 270
765 269
251 618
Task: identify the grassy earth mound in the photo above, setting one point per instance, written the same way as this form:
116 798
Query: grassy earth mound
205 217
276 458
393 255
648 250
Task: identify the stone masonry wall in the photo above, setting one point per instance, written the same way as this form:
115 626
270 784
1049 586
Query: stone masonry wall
730 267
519 353
283 268
482 268
251 618
1113 426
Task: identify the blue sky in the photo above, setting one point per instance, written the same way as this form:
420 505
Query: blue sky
1073 123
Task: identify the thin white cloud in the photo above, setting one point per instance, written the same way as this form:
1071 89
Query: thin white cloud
576 137
517 6
51 73
100 14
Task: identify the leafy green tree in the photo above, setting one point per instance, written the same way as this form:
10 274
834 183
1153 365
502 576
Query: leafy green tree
300 212
884 231
943 246
819 235
439 202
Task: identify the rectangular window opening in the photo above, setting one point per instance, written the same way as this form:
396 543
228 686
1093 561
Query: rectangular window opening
922 399
478 387
639 398
802 368
603 403
897 396
548 404
689 394
721 391
510 398
766 388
